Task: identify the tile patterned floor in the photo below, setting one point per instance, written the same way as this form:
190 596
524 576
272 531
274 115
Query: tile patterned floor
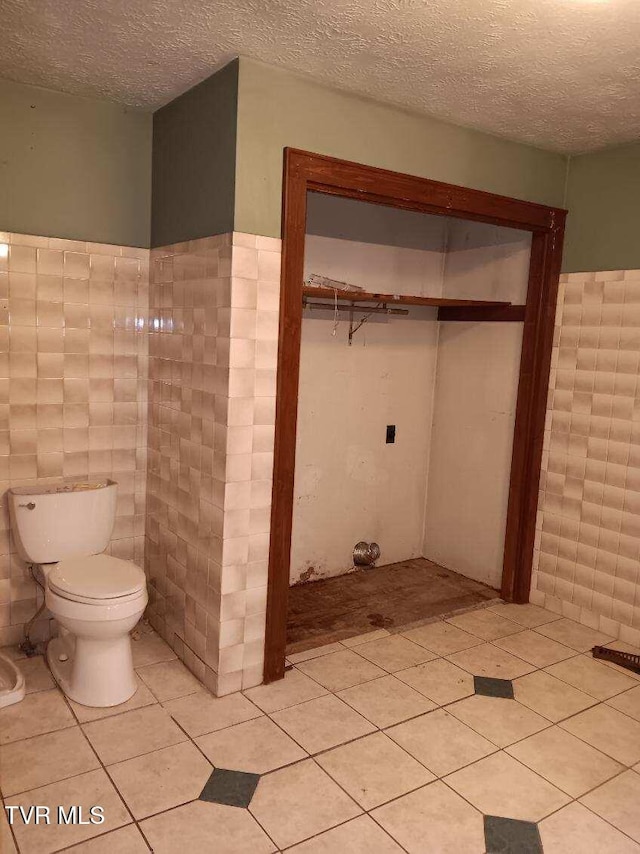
491 731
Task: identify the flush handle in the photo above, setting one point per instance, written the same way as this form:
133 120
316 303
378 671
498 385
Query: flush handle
30 506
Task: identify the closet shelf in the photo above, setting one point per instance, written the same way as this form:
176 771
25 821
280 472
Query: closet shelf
391 299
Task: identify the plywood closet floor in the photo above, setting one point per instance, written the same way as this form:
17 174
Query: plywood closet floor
391 597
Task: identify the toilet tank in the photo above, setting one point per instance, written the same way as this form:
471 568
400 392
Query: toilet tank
67 520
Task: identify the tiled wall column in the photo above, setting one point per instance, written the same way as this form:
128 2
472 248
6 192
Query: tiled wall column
73 388
250 420
213 343
190 295
587 558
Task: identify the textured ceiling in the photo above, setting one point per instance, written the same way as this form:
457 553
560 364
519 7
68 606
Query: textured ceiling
562 74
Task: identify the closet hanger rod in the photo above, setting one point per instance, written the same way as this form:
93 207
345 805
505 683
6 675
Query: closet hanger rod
351 308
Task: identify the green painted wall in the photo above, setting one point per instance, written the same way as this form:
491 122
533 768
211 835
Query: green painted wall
73 167
277 108
194 161
603 227
81 168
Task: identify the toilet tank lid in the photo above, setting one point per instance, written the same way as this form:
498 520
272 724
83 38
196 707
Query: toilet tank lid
58 488
96 577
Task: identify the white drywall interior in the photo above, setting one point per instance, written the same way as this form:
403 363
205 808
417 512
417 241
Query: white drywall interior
440 490
486 262
472 440
474 405
350 485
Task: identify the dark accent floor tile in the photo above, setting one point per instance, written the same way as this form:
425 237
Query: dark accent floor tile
511 836
233 788
487 686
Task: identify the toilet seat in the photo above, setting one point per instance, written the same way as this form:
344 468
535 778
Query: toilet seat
96 580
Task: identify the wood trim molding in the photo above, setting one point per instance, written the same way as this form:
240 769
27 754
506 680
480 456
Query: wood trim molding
494 314
395 299
303 172
371 184
533 389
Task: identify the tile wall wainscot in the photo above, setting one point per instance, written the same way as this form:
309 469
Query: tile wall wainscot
212 369
587 557
73 398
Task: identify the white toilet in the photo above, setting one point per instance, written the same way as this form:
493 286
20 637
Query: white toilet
96 599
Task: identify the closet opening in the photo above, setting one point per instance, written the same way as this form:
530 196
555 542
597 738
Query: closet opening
416 324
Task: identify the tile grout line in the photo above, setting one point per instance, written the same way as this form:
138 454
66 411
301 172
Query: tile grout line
146 752
159 702
408 792
623 770
383 727
342 824
511 744
602 818
578 801
498 749
189 739
597 702
312 758
105 767
445 656
346 687
199 749
442 779
102 765
38 734
466 800
379 729
76 845
10 826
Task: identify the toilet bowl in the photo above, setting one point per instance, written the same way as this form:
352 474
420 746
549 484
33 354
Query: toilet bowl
96 599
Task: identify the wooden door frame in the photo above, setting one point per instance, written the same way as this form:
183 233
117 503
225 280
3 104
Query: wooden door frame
304 171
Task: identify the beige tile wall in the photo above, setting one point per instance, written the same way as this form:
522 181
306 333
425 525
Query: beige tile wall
587 558
213 342
73 405
73 388
189 292
76 322
251 406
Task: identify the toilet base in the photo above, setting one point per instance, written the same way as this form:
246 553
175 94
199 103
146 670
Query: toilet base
97 673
